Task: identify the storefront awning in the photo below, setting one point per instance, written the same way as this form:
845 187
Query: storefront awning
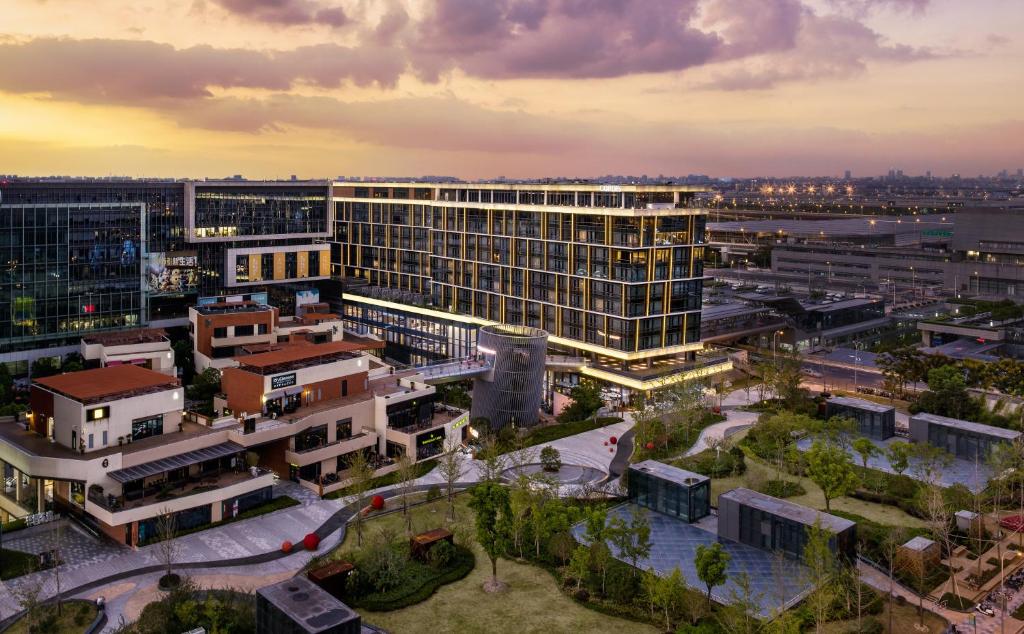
186 459
291 391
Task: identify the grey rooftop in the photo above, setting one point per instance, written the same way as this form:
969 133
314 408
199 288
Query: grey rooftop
789 510
966 425
919 544
670 473
859 403
308 604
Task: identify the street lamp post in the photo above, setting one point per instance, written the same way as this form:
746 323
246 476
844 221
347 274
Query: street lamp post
857 347
775 339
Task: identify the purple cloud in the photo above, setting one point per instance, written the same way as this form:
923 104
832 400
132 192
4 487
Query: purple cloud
136 72
863 7
826 47
560 38
286 12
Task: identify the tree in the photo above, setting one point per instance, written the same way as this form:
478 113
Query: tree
670 595
28 592
550 459
648 426
406 473
947 394
586 400
490 502
866 449
44 367
579 564
6 385
167 546
894 538
649 586
184 360
57 537
686 405
450 466
600 559
829 467
711 563
73 362
929 460
898 455
492 463
739 614
632 540
360 474
939 521
820 566
205 385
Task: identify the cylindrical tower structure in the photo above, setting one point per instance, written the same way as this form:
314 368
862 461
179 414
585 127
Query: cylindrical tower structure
510 393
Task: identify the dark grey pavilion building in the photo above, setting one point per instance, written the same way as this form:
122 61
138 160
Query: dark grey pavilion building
963 439
873 420
768 523
670 490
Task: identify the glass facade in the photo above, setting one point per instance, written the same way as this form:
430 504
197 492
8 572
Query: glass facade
71 270
687 501
872 420
963 443
83 256
613 277
239 211
411 338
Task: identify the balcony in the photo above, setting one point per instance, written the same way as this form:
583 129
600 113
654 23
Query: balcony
327 451
163 492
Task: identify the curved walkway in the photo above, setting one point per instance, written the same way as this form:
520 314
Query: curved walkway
736 420
336 523
332 529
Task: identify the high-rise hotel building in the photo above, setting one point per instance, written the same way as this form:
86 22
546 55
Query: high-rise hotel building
613 272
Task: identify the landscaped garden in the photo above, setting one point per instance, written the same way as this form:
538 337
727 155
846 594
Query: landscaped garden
71 616
532 598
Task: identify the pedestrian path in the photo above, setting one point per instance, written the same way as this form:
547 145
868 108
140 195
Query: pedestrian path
253 546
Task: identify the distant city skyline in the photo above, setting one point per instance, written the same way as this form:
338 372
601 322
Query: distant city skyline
319 88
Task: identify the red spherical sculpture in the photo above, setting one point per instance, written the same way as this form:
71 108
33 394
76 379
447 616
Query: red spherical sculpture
613 440
650 446
286 546
377 502
311 541
606 443
611 449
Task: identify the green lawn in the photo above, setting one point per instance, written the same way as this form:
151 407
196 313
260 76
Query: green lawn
904 619
532 603
758 471
75 617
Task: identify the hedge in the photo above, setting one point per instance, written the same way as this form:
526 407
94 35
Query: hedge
406 595
554 432
421 469
15 525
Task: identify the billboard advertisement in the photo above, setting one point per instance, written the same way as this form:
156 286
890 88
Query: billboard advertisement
307 297
171 272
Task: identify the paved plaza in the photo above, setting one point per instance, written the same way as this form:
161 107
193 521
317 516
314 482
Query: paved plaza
973 476
774 580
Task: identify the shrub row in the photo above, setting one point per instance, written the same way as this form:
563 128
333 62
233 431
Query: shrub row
554 432
407 594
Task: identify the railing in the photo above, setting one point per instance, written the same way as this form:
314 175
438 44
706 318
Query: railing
173 491
330 444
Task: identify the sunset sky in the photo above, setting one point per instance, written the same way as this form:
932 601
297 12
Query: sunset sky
516 88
